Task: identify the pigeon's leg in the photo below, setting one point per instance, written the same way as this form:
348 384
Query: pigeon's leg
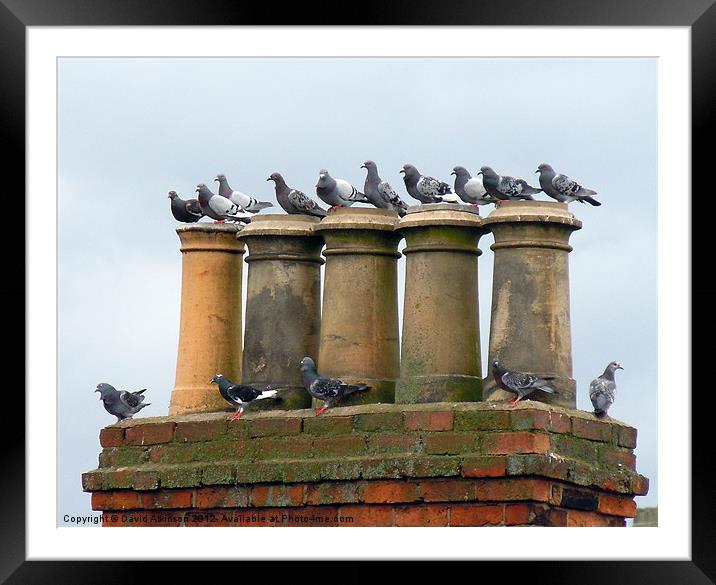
322 409
218 221
516 400
237 414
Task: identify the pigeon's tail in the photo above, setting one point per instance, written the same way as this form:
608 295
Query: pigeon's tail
545 387
268 393
141 406
353 388
259 205
450 198
318 212
591 201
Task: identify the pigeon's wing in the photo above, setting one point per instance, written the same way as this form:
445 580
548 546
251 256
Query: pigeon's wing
428 186
301 201
193 208
475 189
130 399
566 186
601 393
518 380
388 194
509 186
242 393
223 206
348 192
326 388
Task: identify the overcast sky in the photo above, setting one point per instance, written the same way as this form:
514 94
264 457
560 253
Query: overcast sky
132 129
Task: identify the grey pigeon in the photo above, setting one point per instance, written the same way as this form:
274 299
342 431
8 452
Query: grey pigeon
470 189
506 188
219 208
240 395
293 201
518 383
337 192
603 389
327 389
245 202
187 211
121 404
425 189
379 192
562 188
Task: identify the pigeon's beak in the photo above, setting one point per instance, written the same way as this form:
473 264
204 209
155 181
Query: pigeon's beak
402 171
479 173
453 173
619 368
268 179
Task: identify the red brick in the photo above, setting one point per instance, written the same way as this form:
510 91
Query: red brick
447 490
204 430
92 481
517 514
328 425
548 516
640 485
276 447
626 436
167 499
277 495
482 420
332 493
540 420
340 445
149 434
170 454
124 500
386 492
617 506
362 515
422 515
379 421
518 442
593 430
222 497
514 489
451 443
612 456
429 421
111 437
261 427
393 443
483 467
476 515
581 518
146 480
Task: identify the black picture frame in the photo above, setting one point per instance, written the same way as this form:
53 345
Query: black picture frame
699 15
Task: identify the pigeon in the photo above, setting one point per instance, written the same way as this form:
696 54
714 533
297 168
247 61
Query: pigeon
219 208
562 188
603 389
520 384
240 395
245 202
469 188
337 192
121 404
426 189
506 188
379 192
187 211
326 389
293 201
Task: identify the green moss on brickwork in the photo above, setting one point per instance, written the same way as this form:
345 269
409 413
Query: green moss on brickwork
372 442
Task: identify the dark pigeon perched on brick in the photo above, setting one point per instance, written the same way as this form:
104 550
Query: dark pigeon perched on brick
293 201
520 384
506 188
121 404
185 210
562 188
327 389
426 189
379 192
603 389
240 395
